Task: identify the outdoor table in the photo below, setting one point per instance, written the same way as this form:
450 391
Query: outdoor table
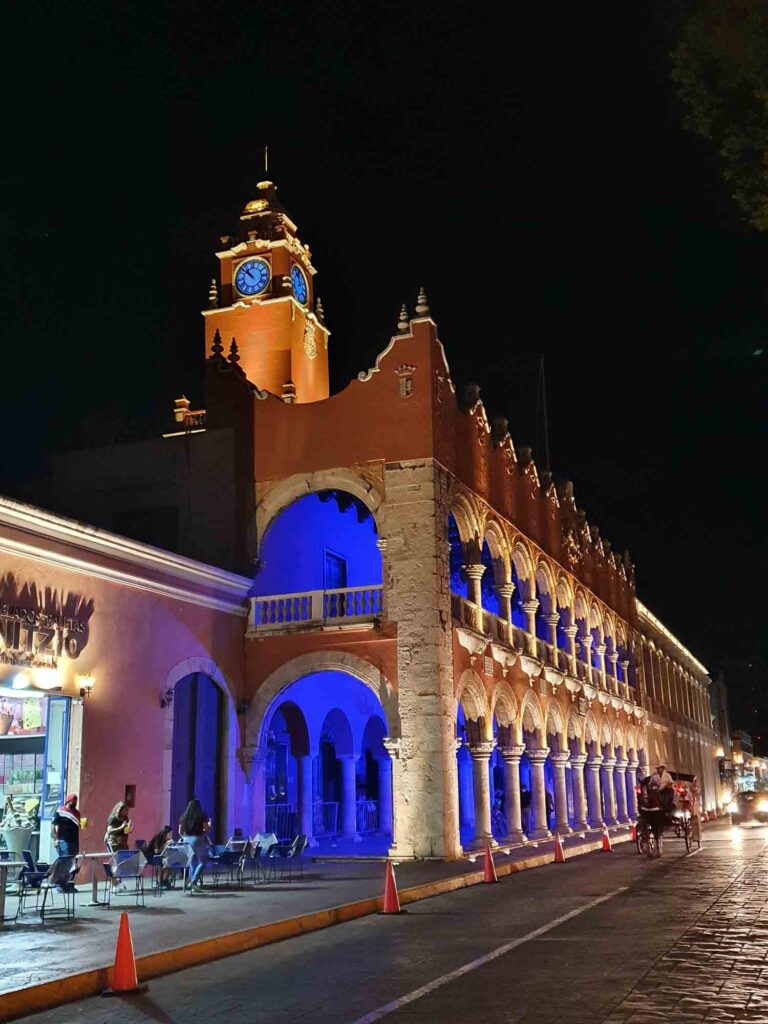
93 857
4 865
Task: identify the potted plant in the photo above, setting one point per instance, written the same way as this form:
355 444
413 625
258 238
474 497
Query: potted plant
15 828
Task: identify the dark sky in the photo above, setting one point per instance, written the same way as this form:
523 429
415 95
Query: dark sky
531 172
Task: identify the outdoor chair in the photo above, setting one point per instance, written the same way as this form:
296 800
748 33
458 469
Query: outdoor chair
122 870
177 858
247 866
60 880
268 858
292 856
225 866
28 884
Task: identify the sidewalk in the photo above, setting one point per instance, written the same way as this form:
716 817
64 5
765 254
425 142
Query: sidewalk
35 954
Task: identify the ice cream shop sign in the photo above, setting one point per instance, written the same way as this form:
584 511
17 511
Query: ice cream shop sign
30 636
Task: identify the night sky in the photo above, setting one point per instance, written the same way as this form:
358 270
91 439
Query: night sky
531 173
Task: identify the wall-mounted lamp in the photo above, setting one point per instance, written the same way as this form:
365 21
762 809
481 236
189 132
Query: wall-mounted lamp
166 698
86 685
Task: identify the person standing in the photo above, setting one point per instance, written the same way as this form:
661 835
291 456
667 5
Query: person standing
66 828
118 827
525 807
193 826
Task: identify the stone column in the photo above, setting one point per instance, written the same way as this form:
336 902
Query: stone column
505 592
593 791
609 790
385 793
552 621
570 632
585 642
255 767
466 790
559 761
481 784
474 574
538 798
631 782
348 797
613 658
512 811
392 747
306 801
530 608
579 796
620 788
600 651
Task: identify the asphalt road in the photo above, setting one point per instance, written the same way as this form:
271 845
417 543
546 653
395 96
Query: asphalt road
605 939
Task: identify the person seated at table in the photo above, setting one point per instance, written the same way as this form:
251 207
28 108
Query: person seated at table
154 848
193 828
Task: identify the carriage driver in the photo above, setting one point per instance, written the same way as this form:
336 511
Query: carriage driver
661 780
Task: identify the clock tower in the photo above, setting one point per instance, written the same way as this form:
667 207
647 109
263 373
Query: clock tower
264 299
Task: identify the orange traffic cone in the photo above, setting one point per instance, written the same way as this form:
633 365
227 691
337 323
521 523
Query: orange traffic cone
559 851
606 847
391 899
489 868
124 977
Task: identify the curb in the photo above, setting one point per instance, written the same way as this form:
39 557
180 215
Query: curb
46 996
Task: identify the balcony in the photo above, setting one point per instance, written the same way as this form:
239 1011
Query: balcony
312 609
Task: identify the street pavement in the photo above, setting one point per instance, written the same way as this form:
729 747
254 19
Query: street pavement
605 939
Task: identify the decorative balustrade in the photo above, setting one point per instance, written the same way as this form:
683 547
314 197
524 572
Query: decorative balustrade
468 614
346 605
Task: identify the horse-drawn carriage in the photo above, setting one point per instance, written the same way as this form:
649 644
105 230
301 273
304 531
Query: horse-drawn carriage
670 813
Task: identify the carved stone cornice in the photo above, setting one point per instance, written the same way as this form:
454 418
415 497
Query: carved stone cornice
530 666
553 676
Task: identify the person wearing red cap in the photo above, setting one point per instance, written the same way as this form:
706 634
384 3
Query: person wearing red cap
66 827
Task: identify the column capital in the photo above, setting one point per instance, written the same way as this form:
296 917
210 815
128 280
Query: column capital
560 757
251 759
613 657
593 763
601 649
531 607
474 570
586 642
633 765
392 746
621 765
538 756
625 665
571 631
609 762
552 619
512 754
578 760
481 751
505 589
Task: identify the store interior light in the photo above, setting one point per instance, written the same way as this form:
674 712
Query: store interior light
20 681
47 678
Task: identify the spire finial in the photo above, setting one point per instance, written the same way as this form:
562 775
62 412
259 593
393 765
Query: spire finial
217 348
403 324
234 355
422 307
319 311
266 162
213 294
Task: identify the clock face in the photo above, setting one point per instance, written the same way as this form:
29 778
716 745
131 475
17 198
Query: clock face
252 277
299 284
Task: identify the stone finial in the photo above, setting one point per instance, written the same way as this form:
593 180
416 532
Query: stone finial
546 479
319 311
499 429
217 349
422 306
181 408
524 455
289 392
470 396
213 294
403 323
234 355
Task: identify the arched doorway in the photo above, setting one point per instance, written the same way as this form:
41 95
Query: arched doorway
331 775
196 760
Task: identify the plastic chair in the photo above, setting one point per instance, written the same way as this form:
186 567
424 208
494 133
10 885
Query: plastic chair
124 869
177 858
60 877
293 855
269 856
